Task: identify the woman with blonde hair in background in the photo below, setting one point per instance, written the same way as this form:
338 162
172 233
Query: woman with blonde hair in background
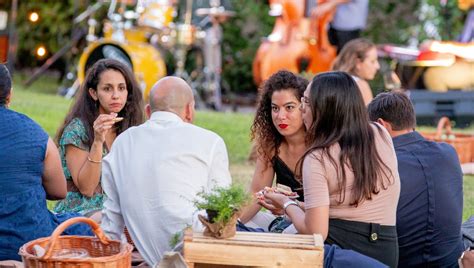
359 58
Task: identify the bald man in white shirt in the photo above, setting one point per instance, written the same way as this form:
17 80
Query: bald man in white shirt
153 171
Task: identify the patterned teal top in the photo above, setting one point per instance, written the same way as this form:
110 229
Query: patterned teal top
75 134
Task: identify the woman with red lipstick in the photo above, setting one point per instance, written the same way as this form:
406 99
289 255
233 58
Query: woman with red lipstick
359 59
279 134
110 101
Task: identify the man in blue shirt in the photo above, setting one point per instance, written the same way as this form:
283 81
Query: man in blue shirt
429 212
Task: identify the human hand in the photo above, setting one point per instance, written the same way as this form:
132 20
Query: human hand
103 124
274 202
318 12
468 258
322 9
277 211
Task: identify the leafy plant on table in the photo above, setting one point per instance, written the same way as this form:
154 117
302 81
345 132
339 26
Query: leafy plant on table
224 201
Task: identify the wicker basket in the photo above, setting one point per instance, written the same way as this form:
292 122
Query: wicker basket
102 251
463 143
129 238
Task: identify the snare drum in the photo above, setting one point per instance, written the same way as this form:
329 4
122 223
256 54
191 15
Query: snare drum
129 35
145 61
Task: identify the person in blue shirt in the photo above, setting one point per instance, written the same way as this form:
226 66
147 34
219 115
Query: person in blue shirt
429 212
30 173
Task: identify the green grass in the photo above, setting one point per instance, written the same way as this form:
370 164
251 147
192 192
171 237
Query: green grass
49 110
468 209
233 128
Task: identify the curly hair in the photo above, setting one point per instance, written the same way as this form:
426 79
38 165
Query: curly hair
87 109
263 131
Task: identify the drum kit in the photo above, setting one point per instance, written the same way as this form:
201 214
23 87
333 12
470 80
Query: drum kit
143 37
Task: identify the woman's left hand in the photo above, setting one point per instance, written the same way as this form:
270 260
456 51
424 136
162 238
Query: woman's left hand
274 202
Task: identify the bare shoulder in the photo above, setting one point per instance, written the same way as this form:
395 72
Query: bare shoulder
365 90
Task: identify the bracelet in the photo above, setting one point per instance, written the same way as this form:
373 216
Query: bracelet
93 161
289 203
299 204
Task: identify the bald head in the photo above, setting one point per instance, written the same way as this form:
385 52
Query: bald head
170 94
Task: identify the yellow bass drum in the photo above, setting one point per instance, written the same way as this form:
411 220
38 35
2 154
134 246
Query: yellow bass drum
145 60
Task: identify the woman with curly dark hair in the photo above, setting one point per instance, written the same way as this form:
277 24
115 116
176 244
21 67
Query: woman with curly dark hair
110 101
279 135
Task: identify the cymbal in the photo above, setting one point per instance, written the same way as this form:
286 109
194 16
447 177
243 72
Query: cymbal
218 12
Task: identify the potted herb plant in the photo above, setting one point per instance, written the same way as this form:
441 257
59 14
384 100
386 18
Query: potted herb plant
222 205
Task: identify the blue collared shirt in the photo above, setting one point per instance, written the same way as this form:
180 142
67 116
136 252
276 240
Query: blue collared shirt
429 212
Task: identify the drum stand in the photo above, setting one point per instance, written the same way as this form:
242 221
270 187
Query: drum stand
213 63
180 57
212 50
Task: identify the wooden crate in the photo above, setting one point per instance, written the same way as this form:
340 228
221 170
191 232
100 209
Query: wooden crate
247 249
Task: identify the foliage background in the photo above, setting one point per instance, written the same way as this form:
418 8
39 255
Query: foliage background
390 21
52 29
394 21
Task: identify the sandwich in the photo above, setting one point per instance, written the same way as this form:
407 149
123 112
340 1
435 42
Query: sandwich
286 190
118 119
280 188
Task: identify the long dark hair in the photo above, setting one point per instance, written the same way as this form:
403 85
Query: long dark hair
5 84
87 109
340 116
267 137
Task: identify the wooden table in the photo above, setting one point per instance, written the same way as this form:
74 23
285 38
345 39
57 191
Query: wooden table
247 249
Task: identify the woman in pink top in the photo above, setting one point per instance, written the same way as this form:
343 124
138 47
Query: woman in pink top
350 177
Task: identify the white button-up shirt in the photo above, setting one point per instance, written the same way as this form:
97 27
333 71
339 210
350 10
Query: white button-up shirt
152 175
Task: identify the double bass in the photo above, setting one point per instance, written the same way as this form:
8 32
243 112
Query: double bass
297 44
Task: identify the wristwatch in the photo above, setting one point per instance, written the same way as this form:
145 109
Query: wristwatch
289 203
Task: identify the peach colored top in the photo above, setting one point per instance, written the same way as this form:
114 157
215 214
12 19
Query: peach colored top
321 187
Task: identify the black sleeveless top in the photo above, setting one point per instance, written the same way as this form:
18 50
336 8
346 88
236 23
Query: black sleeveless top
285 176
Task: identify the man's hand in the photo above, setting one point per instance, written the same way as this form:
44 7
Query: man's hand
323 8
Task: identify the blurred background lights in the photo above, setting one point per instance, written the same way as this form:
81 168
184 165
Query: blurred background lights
41 51
33 16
